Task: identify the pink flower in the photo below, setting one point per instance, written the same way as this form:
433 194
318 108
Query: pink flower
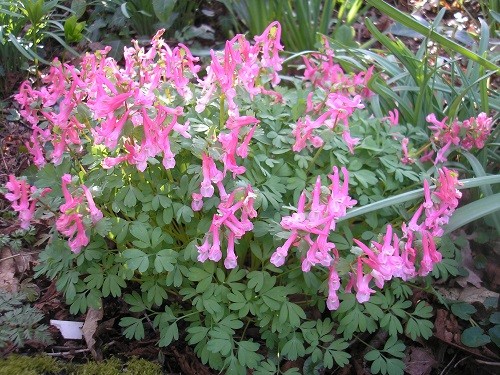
197 202
406 159
80 240
350 142
430 254
363 290
279 256
21 201
71 202
203 250
332 301
231 259
226 221
215 253
103 105
394 117
95 213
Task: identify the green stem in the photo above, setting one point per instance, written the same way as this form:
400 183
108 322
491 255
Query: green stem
185 316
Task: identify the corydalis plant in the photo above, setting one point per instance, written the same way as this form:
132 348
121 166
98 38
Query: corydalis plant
153 156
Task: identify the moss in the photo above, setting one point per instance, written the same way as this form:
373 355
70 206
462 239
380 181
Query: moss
111 366
45 365
137 366
37 365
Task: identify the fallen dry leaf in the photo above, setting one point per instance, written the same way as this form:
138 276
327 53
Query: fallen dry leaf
468 263
470 294
89 328
8 280
419 361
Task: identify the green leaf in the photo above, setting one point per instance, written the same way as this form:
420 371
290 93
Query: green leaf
494 333
140 231
184 214
372 355
463 310
103 226
293 348
474 337
135 301
133 328
112 285
395 366
267 367
130 198
163 9
168 335
219 345
394 347
291 314
156 293
164 260
197 334
419 328
136 260
231 322
211 306
247 354
337 351
256 280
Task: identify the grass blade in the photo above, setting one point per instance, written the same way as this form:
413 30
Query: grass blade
408 21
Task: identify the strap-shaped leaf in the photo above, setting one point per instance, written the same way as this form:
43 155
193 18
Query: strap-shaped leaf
473 211
408 21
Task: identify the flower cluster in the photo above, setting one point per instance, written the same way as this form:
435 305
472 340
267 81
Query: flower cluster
140 117
398 257
225 221
312 223
242 65
333 104
406 257
21 199
466 134
70 222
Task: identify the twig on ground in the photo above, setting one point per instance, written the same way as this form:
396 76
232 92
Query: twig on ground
62 354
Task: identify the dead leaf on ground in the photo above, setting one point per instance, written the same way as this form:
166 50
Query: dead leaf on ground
493 275
8 280
189 363
468 263
469 294
446 327
89 328
419 361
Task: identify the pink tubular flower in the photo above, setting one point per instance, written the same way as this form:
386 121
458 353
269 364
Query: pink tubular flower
406 159
70 222
95 213
312 228
20 200
332 301
226 222
363 290
279 256
103 105
231 259
393 117
466 135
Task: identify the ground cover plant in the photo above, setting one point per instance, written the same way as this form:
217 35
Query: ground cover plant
220 205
